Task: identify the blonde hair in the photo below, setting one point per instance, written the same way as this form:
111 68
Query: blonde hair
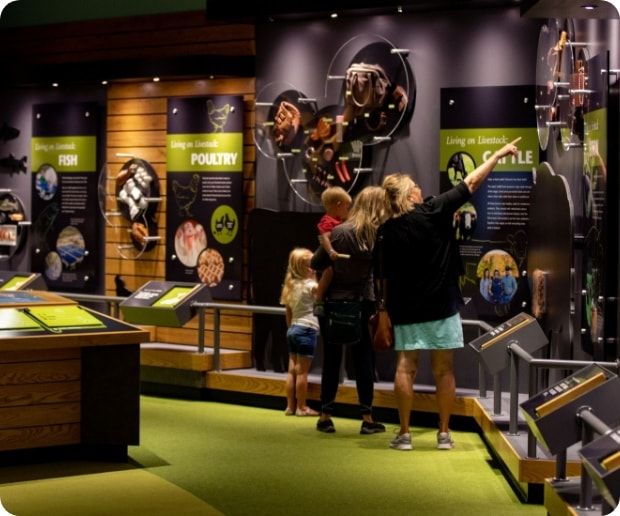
297 270
367 214
333 195
397 189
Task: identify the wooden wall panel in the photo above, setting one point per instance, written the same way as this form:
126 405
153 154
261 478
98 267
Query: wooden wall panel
141 37
137 124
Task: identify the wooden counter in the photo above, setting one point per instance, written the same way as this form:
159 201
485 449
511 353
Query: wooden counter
77 387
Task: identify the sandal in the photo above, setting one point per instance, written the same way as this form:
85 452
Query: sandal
306 412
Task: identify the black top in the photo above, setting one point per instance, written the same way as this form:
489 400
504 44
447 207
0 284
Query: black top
352 279
421 260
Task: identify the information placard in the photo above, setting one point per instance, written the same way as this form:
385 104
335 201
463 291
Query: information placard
64 182
204 217
492 228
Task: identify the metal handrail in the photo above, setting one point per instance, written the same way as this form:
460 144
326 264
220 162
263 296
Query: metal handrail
217 307
112 302
273 310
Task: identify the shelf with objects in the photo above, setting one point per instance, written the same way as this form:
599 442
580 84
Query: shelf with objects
562 84
77 373
318 142
13 224
136 198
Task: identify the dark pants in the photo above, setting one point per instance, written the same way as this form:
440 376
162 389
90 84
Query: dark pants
363 362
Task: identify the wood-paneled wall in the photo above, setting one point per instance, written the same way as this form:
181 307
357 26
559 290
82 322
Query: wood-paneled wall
178 45
136 125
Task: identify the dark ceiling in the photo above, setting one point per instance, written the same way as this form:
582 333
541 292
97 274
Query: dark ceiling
280 9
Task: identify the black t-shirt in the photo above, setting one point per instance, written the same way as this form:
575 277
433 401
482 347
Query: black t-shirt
421 260
352 279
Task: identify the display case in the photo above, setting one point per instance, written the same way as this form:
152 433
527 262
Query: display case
70 376
552 414
492 347
164 303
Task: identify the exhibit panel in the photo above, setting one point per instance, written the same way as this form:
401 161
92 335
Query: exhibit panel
205 184
492 227
65 232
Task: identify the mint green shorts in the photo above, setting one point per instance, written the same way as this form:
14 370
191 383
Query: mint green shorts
440 334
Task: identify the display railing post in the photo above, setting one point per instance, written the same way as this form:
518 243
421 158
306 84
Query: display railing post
216 339
201 330
513 427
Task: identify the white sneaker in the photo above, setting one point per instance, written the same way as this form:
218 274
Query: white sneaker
401 442
444 441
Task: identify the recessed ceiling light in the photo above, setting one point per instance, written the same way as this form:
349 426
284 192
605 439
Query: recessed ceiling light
104 82
155 79
400 8
55 84
333 15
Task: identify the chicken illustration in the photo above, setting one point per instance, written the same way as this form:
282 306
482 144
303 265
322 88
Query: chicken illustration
218 116
225 223
185 195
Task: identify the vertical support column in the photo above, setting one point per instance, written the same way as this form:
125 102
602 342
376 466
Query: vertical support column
216 339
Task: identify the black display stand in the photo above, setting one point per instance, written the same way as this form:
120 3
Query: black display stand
10 280
164 303
601 459
492 347
552 414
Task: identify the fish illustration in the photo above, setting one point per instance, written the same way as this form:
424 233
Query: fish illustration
8 133
14 164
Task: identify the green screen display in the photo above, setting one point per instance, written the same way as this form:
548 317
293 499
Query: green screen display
173 297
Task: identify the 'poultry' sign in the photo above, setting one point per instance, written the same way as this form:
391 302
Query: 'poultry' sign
204 191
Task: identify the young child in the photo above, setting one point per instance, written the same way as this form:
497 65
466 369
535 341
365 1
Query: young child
337 203
303 329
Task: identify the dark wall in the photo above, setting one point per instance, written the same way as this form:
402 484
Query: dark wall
450 49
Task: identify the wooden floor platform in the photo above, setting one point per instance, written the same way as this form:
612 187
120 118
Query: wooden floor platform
187 358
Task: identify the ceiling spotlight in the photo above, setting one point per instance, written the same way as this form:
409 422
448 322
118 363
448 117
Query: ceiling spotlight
55 84
333 15
155 79
399 9
211 76
104 82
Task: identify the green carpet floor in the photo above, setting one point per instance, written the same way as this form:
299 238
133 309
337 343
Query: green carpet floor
207 458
